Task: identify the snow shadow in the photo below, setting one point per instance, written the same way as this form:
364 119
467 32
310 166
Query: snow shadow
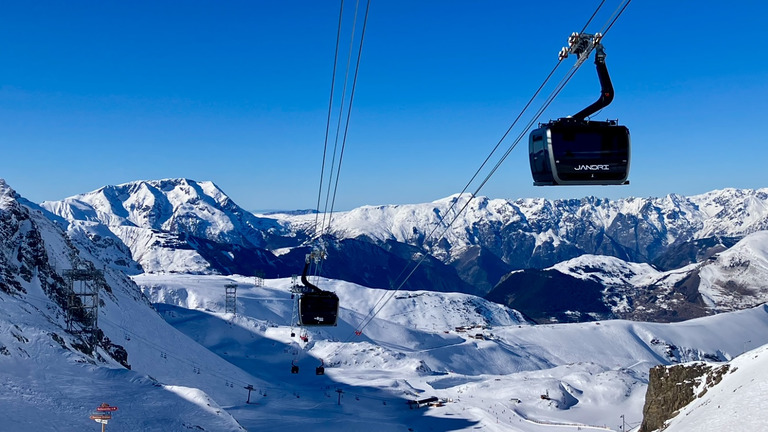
336 400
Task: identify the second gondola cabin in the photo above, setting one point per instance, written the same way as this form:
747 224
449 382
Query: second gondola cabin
318 308
569 151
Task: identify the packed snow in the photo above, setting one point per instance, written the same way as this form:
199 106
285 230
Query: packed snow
489 367
485 365
424 360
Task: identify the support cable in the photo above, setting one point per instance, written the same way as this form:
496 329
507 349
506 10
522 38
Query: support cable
330 110
388 295
340 117
349 110
332 181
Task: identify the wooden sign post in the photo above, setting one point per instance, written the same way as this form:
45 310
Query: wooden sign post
103 415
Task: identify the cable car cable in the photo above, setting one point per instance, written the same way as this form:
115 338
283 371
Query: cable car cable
330 110
389 294
474 176
349 110
331 181
589 21
338 123
549 100
328 211
615 16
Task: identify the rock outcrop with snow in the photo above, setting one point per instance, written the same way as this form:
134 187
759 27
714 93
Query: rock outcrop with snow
708 396
51 376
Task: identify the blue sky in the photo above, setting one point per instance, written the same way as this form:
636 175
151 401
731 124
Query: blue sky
95 93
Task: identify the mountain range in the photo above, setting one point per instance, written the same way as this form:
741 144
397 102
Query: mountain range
170 357
670 250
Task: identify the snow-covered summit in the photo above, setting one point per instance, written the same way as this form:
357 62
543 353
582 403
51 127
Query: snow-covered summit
179 206
169 225
537 232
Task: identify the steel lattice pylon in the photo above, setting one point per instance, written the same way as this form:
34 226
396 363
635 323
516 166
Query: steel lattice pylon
83 302
230 304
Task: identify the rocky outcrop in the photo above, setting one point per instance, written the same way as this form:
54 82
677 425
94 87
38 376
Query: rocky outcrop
670 388
34 252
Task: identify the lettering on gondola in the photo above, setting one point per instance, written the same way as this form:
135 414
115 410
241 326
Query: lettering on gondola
592 168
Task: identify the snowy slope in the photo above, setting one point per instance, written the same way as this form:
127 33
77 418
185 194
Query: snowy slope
52 380
737 277
412 350
735 403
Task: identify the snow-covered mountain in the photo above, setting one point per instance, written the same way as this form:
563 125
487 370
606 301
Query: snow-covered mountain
597 287
485 365
178 225
181 206
538 233
172 225
183 226
51 378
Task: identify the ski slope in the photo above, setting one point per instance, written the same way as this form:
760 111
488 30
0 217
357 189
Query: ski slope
501 374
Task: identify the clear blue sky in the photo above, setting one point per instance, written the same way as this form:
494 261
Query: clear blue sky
95 93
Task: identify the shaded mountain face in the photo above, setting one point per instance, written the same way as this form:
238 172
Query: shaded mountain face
731 280
381 266
686 252
551 296
34 257
669 232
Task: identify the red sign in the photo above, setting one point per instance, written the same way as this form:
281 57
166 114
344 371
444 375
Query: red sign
106 407
105 416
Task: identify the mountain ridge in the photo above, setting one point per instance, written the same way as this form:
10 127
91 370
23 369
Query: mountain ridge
180 225
477 357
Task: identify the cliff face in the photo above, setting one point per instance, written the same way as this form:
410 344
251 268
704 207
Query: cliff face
670 388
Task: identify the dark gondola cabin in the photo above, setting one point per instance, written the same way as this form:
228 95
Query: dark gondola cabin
318 308
579 152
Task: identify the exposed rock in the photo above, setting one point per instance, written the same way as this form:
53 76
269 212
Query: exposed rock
670 388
